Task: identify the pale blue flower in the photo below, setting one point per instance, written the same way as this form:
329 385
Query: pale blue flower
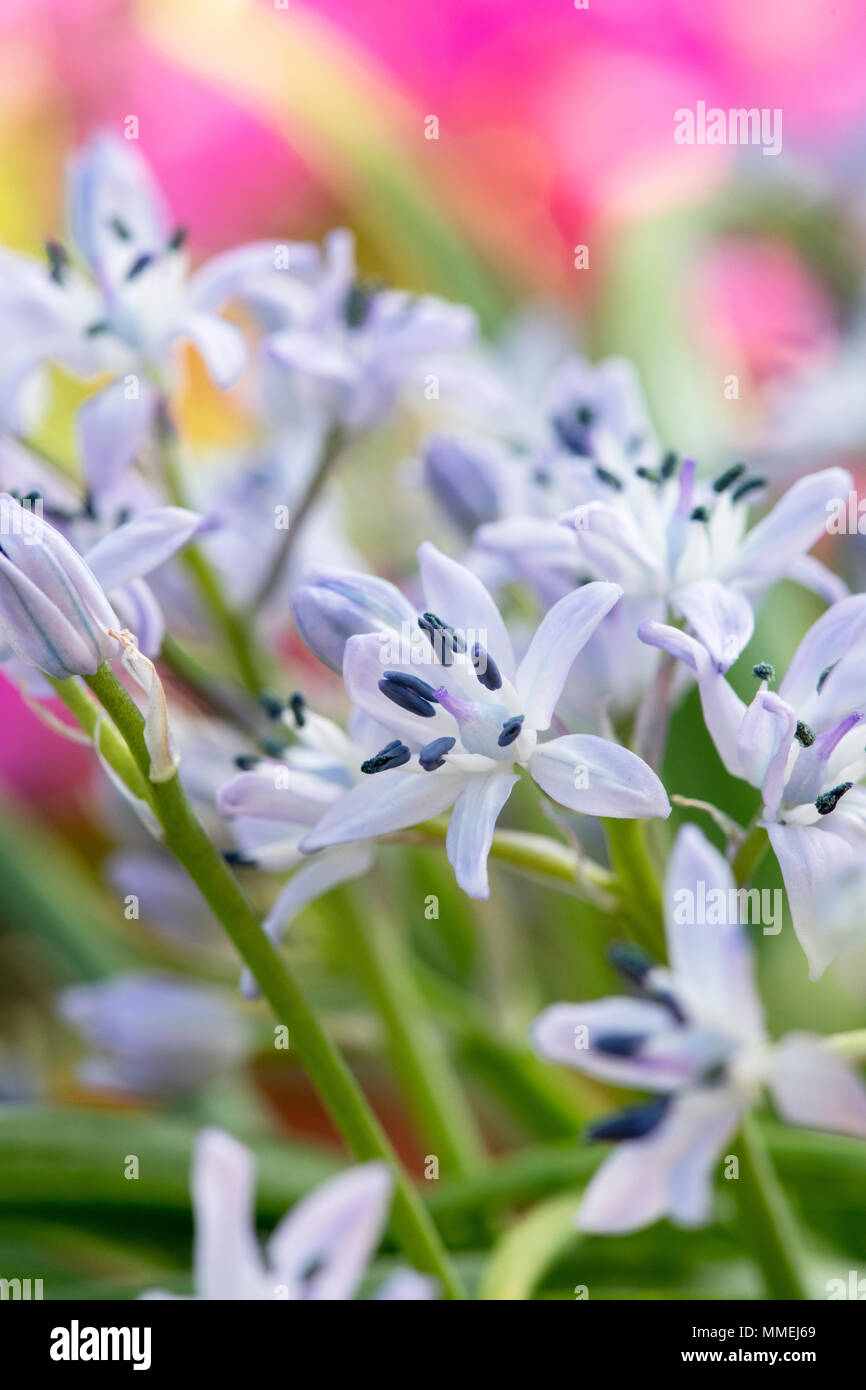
467 716
155 1034
803 747
695 1035
320 1250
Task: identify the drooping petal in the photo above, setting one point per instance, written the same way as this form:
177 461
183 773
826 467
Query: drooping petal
816 1088
630 1042
711 961
321 1249
140 545
598 777
812 859
161 745
471 827
112 428
315 878
458 597
669 1173
227 1262
723 709
815 575
385 802
764 744
721 618
562 634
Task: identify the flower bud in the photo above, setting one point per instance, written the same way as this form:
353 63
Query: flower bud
53 612
333 605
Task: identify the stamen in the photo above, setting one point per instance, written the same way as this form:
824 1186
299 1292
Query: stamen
58 260
652 475
636 1122
271 704
825 673
357 304
764 671
273 747
442 638
699 514
510 730
247 761
485 668
432 755
394 754
138 265
750 485
298 706
410 693
94 329
729 477
604 475
620 1044
119 228
631 962
177 239
669 464
828 801
803 734
239 860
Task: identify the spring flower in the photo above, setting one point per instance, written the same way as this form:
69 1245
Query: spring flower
320 1250
359 348
695 1035
464 716
155 1034
119 300
803 747
273 803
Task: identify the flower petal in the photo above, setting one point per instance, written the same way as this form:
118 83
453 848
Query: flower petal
112 428
797 521
723 709
227 1261
333 1232
563 632
721 618
222 345
814 1087
711 962
598 777
140 545
811 859
764 744
383 803
666 1054
365 661
471 827
669 1173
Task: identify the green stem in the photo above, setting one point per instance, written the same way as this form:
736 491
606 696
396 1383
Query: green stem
331 450
432 1090
637 885
187 840
852 1045
767 1218
750 854
235 629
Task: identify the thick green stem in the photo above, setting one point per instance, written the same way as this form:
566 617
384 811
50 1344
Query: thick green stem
750 854
433 1092
767 1219
187 840
637 885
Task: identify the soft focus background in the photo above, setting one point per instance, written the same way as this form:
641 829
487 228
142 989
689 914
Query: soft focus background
555 129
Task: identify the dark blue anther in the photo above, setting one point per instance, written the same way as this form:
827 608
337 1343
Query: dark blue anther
394 754
620 1044
410 693
510 730
432 755
729 477
138 265
485 668
636 1122
828 801
750 485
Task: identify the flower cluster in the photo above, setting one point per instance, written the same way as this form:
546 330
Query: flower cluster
600 577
